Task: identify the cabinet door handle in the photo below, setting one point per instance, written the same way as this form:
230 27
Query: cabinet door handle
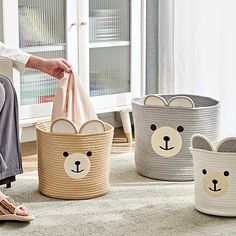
83 23
73 25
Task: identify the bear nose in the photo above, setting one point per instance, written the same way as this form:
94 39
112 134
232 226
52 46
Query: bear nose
77 163
166 138
214 181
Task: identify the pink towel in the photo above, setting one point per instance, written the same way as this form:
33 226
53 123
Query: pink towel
72 102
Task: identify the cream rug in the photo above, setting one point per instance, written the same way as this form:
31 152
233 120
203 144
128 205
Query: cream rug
134 206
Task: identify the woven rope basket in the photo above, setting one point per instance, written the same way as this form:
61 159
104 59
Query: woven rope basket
176 125
215 176
53 180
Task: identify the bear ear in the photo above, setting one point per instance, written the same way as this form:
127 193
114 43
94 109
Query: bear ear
181 101
154 100
63 125
201 142
227 145
92 127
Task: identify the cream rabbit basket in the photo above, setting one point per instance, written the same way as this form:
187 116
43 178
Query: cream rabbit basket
73 164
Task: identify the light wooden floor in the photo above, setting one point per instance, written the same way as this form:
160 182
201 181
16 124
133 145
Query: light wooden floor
29 155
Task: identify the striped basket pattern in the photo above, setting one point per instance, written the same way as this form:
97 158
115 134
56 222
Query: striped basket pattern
203 118
54 182
214 176
206 160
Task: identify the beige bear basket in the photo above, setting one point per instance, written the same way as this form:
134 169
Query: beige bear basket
214 175
73 164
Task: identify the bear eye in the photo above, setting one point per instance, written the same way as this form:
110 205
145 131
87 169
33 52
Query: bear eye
153 127
226 173
89 154
204 171
65 154
180 128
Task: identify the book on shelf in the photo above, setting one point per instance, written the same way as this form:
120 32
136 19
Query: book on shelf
48 98
37 99
34 85
33 30
104 28
104 12
32 76
37 93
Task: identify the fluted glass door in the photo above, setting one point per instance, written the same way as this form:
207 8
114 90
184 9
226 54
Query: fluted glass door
41 33
109 43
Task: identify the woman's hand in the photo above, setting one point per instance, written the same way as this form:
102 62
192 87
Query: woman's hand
54 67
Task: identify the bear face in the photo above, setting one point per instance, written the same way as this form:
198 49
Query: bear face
215 183
215 178
77 164
166 141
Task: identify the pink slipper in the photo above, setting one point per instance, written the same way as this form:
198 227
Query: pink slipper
9 212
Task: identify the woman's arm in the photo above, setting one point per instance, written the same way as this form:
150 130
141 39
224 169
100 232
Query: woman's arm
54 67
21 60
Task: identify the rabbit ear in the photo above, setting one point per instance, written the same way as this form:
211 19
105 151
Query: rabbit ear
63 125
181 101
227 145
154 100
92 127
201 142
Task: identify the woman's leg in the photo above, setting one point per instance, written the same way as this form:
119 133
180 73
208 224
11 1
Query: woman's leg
10 158
10 155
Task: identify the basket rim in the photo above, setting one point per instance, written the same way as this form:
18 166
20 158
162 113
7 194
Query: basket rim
213 152
38 128
137 100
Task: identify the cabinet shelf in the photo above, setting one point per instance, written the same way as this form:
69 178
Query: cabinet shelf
109 44
45 48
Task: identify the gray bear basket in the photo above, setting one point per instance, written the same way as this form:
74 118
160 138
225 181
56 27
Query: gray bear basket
164 125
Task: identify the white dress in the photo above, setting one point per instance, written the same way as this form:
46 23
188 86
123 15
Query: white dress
18 57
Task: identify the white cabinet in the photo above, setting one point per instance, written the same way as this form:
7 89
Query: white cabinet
110 50
43 28
102 39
